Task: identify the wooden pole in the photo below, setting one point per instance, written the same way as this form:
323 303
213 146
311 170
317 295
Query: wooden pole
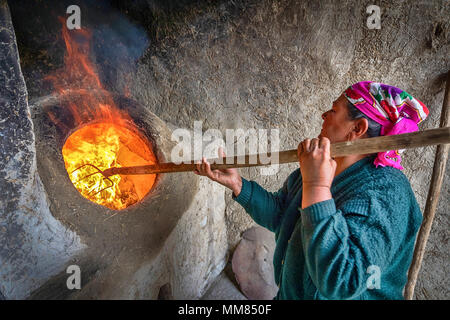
434 191
340 149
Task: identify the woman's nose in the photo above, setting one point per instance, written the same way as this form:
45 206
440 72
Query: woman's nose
324 115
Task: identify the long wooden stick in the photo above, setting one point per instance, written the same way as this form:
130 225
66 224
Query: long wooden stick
434 191
362 146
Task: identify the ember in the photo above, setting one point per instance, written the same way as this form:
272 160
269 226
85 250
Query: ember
108 145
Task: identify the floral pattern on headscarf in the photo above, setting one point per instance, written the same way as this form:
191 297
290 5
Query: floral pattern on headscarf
396 110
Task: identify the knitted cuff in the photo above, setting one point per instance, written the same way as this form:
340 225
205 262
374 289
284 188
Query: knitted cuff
244 196
318 211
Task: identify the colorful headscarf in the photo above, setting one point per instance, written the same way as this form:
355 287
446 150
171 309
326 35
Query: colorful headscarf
396 110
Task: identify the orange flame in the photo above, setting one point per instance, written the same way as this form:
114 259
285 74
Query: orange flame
108 145
80 75
113 140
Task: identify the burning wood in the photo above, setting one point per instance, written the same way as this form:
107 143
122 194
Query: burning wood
108 145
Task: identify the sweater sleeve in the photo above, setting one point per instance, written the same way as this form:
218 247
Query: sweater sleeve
340 244
263 206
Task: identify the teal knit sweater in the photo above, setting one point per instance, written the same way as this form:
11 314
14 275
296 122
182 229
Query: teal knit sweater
358 245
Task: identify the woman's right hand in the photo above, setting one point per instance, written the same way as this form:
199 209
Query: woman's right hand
230 178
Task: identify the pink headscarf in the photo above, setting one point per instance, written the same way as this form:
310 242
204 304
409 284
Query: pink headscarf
396 110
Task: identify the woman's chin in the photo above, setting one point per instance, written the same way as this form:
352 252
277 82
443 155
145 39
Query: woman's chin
324 135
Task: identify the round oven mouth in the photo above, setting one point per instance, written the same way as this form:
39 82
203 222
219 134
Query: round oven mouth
57 125
101 145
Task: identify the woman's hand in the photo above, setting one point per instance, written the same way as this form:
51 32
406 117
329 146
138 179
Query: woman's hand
230 178
317 168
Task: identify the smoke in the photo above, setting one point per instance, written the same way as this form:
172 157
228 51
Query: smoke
117 44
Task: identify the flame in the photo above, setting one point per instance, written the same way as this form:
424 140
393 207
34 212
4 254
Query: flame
108 145
112 141
79 75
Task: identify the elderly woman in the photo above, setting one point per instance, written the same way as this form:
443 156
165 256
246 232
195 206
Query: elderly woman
345 227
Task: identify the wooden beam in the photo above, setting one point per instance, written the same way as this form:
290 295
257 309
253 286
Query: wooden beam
434 191
339 149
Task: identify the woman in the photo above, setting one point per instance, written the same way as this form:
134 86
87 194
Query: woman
345 227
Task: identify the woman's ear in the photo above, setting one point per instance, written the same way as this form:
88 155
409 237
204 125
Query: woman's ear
359 129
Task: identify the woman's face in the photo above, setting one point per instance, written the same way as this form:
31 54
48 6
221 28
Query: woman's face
336 121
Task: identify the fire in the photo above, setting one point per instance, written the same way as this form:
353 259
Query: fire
108 145
107 136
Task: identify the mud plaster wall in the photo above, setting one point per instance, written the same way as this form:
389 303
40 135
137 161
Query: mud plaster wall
34 245
280 64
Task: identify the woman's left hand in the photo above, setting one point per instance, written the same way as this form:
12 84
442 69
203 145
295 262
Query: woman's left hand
317 168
